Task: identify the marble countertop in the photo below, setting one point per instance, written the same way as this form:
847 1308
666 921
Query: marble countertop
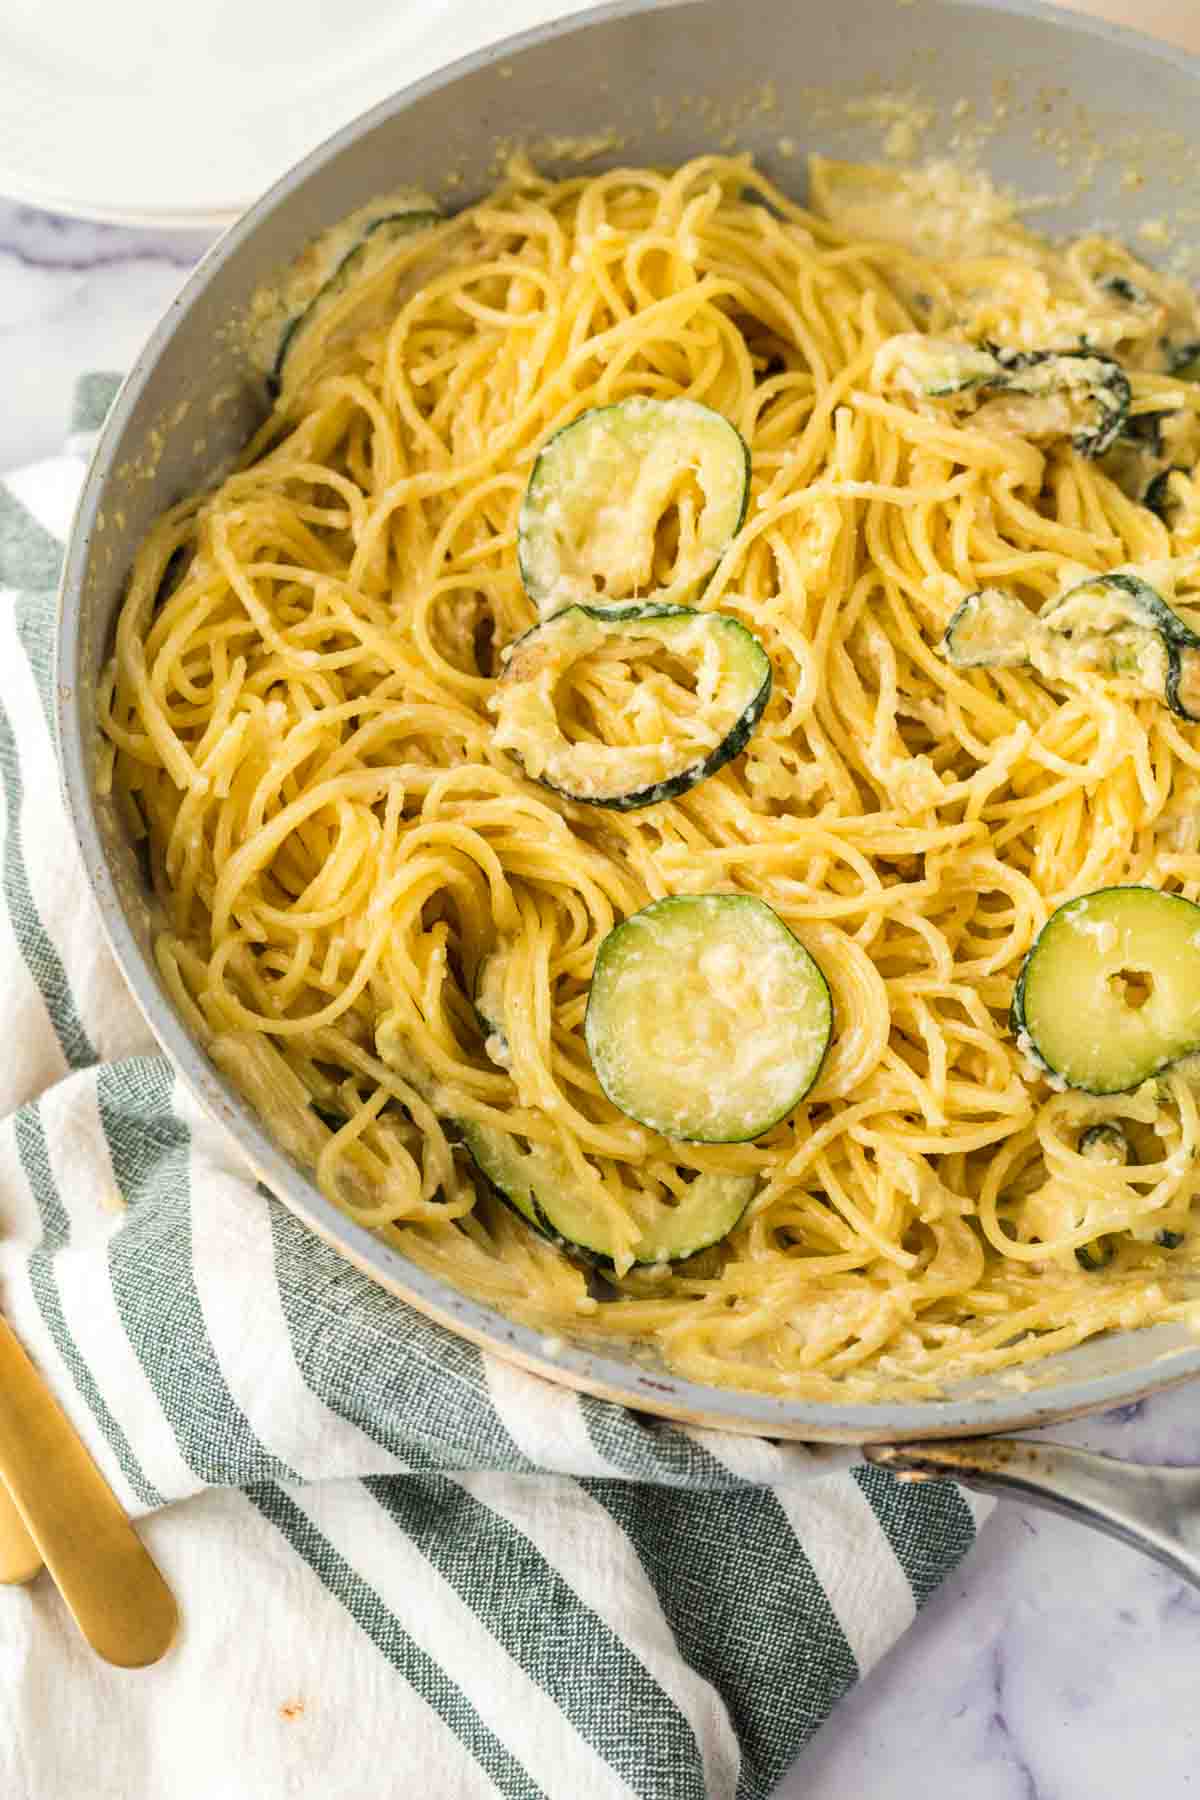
1055 1665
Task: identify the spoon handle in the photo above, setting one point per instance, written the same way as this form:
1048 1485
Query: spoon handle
112 1588
20 1558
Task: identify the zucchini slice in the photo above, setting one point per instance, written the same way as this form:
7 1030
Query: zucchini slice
1171 495
1120 625
1149 449
707 1019
1109 995
1139 454
603 486
1147 431
1104 1143
989 630
378 237
1122 288
936 367
711 725
1077 394
1097 1255
1082 395
540 1186
1183 361
1114 624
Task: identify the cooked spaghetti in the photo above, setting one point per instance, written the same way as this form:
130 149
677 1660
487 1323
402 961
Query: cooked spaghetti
303 704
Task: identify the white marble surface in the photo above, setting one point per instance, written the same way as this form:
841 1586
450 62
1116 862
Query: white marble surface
1055 1665
73 296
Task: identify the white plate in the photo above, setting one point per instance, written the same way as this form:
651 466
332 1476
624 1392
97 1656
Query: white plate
180 112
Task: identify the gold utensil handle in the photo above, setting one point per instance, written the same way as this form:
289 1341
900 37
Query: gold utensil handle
20 1558
113 1589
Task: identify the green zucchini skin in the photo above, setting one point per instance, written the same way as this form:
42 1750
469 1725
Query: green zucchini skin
939 368
1105 384
524 666
1182 687
1159 498
1100 1252
1146 430
1137 457
333 1121
1149 446
707 1020
546 1205
1097 1255
1016 1020
1121 288
991 629
1183 682
630 431
1143 604
1105 1143
988 630
1183 361
399 225
1066 1012
477 1140
1171 495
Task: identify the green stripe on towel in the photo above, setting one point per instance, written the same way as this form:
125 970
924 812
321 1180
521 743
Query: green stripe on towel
150 1266
543 1625
424 1675
29 556
747 1611
929 1527
362 1355
41 958
56 1230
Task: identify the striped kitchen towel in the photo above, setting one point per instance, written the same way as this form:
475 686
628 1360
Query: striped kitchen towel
405 1568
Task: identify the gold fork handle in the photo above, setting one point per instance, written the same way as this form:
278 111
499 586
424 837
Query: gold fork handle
113 1589
20 1558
